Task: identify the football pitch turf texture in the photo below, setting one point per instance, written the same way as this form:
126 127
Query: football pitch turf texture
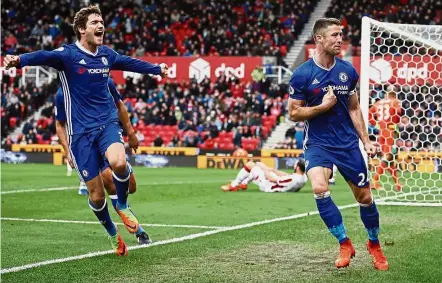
200 233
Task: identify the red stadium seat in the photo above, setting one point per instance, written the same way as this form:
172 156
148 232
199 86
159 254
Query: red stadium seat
12 122
203 146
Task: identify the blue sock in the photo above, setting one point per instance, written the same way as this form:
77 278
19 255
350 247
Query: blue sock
331 216
370 218
122 186
104 217
114 200
140 229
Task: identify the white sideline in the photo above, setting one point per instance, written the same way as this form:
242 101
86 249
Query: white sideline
139 184
96 222
38 190
179 239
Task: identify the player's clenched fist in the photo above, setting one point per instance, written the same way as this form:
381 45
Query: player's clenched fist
329 99
164 68
371 148
11 61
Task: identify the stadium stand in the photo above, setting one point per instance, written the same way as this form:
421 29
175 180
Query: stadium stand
209 116
206 115
159 28
165 28
17 103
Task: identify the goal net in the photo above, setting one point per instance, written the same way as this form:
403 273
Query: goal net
406 60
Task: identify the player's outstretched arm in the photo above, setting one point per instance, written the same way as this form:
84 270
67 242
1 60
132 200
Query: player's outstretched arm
126 63
270 177
359 124
279 173
265 168
299 112
37 58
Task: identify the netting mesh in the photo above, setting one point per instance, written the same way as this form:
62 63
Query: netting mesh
405 64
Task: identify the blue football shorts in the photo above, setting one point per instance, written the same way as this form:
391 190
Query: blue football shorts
350 163
88 149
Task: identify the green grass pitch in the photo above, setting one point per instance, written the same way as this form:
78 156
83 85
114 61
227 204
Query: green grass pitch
294 250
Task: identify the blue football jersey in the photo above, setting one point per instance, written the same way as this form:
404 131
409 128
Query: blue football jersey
309 82
84 79
60 113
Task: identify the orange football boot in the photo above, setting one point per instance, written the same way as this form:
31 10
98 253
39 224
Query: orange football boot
346 253
118 245
229 188
379 259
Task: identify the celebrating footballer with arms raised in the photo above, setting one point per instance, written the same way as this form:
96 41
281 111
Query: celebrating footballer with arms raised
92 125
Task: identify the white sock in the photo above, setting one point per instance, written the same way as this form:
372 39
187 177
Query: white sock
82 184
243 174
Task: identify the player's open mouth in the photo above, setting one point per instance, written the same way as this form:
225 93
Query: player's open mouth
99 33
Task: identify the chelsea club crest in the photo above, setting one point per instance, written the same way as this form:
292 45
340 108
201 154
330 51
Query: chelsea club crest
343 77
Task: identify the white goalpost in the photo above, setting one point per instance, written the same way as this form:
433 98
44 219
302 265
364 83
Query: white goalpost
407 59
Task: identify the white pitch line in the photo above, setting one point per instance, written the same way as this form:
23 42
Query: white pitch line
96 222
139 184
176 240
38 190
164 242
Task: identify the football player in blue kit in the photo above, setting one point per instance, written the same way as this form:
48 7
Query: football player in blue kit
91 117
106 172
322 93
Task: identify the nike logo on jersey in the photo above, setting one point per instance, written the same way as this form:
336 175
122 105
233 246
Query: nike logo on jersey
315 81
82 62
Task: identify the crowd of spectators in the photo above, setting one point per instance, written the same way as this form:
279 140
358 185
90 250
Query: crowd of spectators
294 137
159 28
192 28
203 112
221 114
18 102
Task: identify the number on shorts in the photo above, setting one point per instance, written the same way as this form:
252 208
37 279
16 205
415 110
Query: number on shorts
363 179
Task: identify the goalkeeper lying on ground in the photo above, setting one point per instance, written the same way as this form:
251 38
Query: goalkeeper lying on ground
267 179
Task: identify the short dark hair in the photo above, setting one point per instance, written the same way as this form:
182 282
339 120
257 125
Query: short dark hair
301 165
323 23
81 17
